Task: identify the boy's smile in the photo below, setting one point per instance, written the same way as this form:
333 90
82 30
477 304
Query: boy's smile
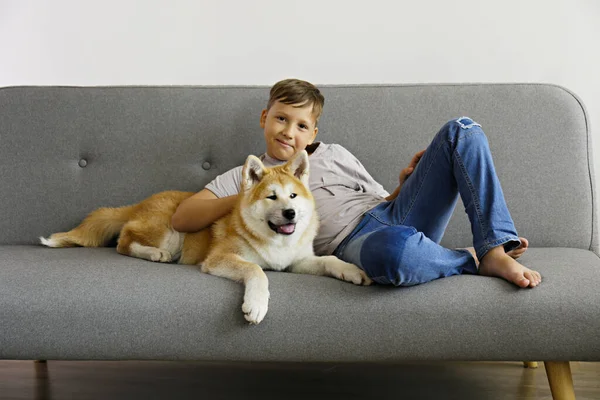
288 128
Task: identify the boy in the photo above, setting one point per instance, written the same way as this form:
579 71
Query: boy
393 238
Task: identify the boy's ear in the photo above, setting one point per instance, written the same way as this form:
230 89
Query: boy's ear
252 172
313 136
298 166
263 118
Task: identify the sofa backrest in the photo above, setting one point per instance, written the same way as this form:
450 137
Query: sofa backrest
65 151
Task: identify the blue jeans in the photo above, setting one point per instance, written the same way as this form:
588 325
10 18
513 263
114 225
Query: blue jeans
397 242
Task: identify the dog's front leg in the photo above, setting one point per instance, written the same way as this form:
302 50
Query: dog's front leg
331 266
256 294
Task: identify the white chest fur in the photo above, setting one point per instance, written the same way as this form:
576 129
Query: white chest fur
278 255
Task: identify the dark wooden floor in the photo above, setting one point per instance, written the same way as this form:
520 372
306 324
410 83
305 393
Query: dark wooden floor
86 380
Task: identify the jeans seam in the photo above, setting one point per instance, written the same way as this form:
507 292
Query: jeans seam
381 221
413 201
473 194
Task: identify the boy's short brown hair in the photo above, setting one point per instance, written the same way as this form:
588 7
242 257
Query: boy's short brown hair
296 91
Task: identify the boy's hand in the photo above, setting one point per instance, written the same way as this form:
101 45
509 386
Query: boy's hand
406 172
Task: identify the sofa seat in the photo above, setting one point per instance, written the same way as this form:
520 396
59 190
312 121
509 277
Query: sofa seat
94 304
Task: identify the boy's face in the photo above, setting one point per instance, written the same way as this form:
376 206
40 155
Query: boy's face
288 129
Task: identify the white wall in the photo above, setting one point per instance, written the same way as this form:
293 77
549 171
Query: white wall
341 41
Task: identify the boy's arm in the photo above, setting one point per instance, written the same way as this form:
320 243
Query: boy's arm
201 210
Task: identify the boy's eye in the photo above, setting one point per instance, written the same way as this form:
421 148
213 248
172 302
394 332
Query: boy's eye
302 126
293 195
280 118
274 197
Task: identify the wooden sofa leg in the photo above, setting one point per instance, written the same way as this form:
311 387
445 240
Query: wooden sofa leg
560 380
530 364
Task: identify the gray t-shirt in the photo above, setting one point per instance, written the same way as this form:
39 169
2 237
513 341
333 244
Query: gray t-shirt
342 188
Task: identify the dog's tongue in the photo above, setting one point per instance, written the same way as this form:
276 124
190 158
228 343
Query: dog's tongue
289 228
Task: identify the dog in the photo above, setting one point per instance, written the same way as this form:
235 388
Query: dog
272 227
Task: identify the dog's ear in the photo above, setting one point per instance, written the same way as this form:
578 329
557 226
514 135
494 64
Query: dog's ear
252 172
298 166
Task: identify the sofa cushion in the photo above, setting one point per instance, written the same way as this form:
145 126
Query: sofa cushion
95 304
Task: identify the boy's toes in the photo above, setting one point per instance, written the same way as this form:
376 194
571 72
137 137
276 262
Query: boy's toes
521 281
534 277
530 277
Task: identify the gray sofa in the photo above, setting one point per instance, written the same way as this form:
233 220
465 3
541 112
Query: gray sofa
65 151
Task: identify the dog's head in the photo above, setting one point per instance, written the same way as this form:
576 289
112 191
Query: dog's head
277 200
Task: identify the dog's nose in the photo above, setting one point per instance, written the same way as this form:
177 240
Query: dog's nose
289 213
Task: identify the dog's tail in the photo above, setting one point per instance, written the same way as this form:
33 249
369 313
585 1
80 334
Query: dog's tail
96 230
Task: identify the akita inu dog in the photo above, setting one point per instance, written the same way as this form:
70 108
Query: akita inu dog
272 226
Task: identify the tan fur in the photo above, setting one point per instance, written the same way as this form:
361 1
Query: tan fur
97 229
144 223
237 246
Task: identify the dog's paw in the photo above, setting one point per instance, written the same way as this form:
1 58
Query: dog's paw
160 255
349 273
256 304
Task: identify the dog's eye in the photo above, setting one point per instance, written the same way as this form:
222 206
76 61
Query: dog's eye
293 195
274 197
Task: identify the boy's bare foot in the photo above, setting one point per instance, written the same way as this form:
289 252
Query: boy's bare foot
498 263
